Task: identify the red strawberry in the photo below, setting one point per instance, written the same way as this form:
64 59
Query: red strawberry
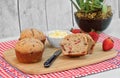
94 35
108 44
75 31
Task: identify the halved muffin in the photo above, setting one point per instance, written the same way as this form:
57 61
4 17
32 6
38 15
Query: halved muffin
77 44
91 43
74 45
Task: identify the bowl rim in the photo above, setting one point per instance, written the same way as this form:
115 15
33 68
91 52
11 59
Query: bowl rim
51 31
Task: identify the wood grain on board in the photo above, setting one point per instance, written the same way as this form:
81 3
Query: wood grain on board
61 63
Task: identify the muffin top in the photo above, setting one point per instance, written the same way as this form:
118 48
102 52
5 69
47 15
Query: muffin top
29 45
32 32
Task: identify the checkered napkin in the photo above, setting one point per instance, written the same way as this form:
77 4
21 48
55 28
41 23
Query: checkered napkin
7 71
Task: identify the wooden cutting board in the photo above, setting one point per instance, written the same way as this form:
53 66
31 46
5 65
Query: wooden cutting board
61 63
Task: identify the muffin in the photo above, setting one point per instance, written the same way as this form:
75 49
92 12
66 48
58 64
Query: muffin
74 45
29 50
32 32
77 44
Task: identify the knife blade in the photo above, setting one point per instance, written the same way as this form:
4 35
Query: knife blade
50 60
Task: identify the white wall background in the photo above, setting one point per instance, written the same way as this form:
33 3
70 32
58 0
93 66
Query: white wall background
15 15
119 7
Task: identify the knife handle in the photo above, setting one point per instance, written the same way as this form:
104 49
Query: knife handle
49 61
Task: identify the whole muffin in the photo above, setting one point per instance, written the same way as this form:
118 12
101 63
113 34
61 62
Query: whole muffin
29 50
32 32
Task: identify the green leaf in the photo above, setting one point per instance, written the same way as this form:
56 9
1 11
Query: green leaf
101 0
97 6
87 6
82 4
78 2
104 9
97 2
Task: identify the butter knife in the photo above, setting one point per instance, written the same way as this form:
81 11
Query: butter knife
49 61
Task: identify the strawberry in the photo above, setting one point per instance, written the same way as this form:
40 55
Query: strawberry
108 44
94 35
75 31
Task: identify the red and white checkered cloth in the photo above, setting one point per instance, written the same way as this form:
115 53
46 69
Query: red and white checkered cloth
7 71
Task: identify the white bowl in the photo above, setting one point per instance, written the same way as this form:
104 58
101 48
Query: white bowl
55 40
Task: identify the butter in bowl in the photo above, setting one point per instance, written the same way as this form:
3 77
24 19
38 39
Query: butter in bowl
54 37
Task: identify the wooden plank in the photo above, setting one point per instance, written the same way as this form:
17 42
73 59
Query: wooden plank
9 26
59 14
61 63
32 14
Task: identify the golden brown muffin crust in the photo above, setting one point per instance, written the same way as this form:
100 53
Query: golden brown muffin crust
32 32
29 50
29 45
